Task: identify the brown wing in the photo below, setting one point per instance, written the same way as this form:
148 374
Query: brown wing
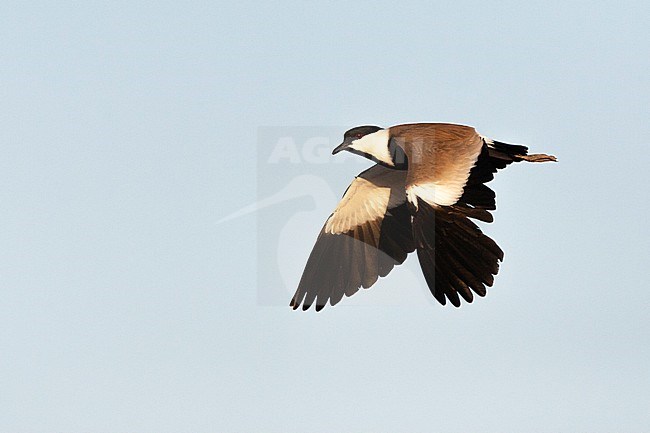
368 234
440 157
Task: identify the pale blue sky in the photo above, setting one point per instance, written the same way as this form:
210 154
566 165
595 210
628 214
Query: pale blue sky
128 129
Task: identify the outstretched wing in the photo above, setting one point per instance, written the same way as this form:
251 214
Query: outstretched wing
368 233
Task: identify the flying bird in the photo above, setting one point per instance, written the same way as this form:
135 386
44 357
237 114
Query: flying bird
427 185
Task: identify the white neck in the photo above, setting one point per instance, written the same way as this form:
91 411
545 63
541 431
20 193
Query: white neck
375 144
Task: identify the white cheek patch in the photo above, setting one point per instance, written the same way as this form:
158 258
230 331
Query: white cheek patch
375 144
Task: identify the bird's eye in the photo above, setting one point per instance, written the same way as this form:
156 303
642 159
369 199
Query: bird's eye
358 135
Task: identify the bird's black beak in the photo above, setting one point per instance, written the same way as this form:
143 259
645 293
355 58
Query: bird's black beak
340 147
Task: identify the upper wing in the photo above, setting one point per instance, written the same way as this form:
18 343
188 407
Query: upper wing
449 164
368 234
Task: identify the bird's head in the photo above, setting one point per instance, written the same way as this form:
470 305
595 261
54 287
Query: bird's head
371 142
352 136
